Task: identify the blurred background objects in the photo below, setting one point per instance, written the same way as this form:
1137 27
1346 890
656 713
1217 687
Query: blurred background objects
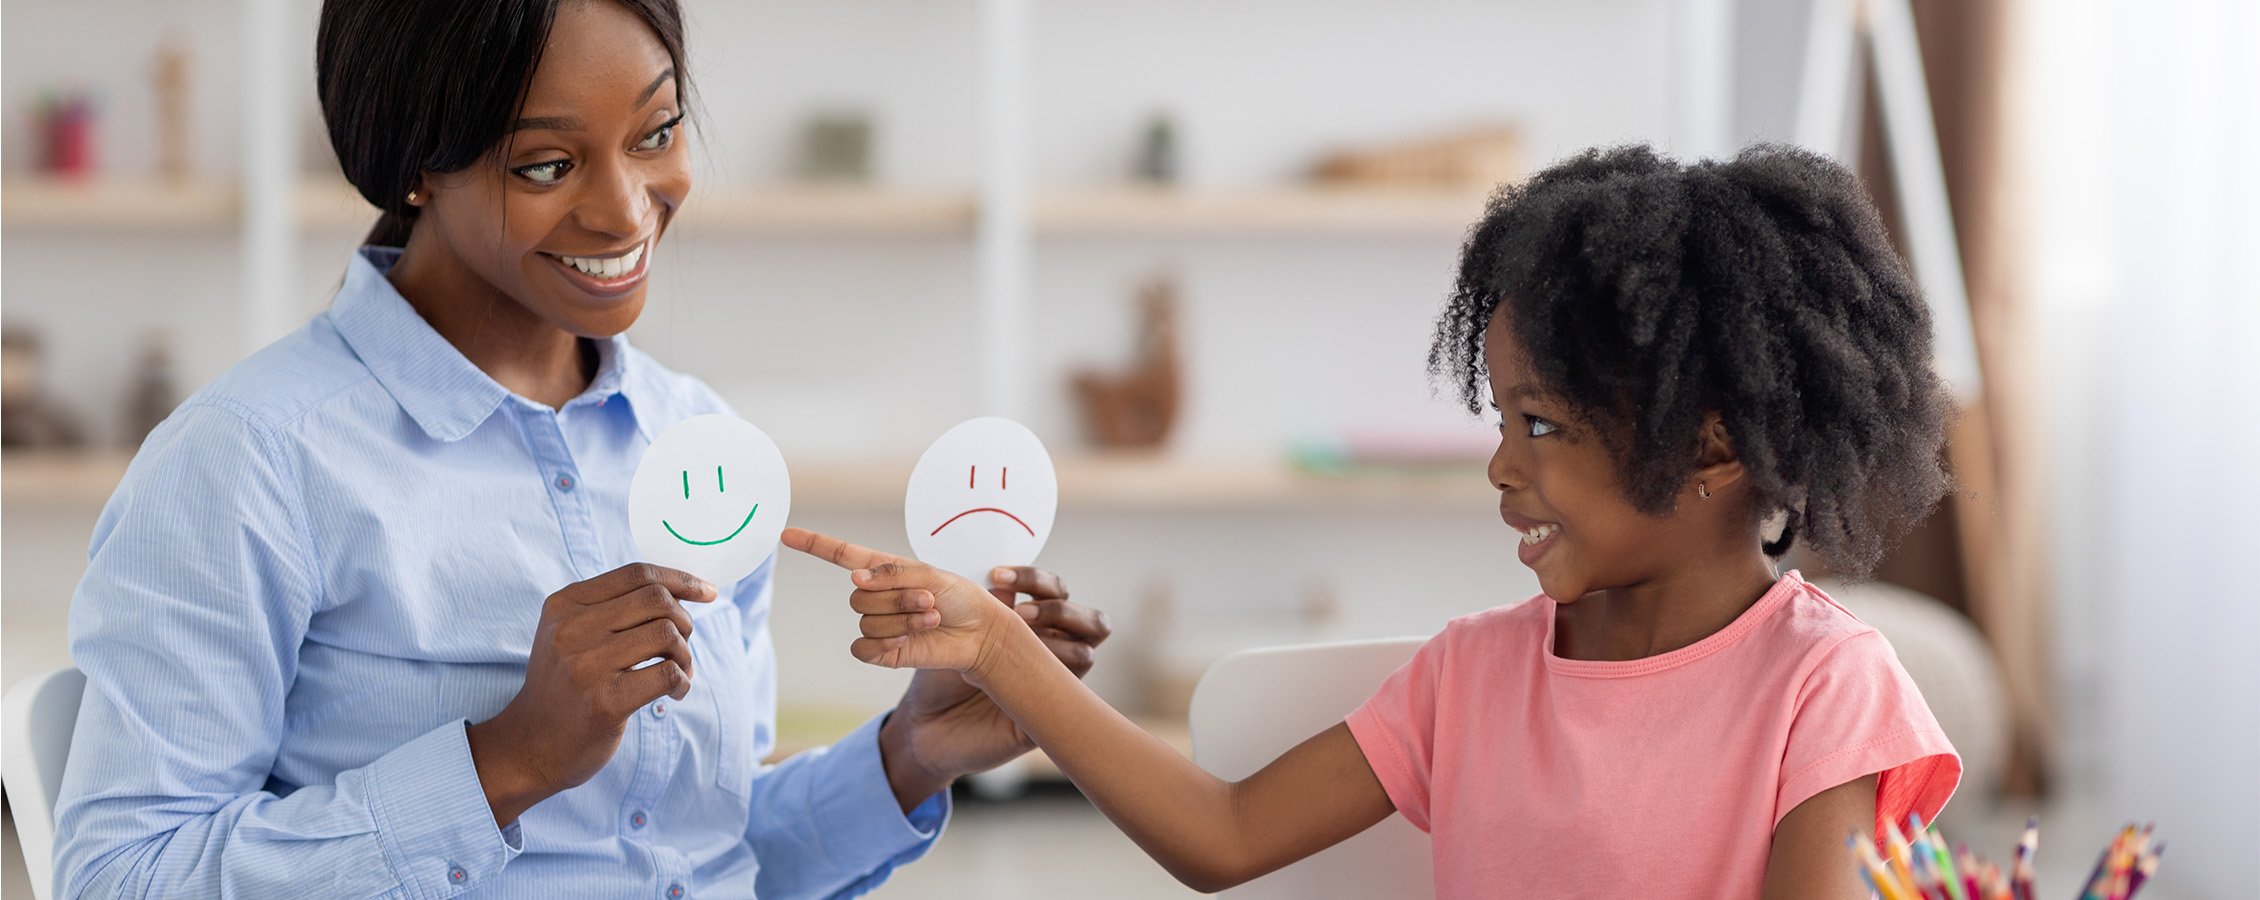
1197 246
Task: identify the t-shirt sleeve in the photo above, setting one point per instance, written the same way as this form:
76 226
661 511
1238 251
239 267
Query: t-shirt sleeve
1859 714
1396 729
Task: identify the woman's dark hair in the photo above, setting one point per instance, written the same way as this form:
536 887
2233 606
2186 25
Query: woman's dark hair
1648 294
415 86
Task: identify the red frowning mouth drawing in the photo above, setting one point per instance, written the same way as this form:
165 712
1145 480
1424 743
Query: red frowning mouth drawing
1004 482
985 509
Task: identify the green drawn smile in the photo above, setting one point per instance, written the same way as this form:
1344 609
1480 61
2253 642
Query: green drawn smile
741 527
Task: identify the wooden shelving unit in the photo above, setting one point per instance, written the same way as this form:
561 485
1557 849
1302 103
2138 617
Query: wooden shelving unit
1284 210
812 209
1095 482
118 205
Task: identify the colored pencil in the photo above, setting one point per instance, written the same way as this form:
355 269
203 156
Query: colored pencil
2146 868
1896 841
1966 863
1948 876
1874 872
1921 864
2020 874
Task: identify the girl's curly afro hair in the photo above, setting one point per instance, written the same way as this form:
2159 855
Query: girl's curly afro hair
1648 294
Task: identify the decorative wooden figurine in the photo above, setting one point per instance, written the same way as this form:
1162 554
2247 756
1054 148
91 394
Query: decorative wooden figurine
29 417
172 111
1135 408
1476 158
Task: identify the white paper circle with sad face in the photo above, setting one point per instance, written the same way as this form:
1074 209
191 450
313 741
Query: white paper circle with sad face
710 498
983 496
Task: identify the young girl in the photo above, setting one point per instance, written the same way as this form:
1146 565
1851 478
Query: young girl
1693 367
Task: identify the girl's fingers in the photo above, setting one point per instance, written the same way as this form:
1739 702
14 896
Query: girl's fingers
880 651
897 575
879 603
835 551
900 624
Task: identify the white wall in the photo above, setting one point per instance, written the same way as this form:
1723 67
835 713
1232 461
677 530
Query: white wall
2144 247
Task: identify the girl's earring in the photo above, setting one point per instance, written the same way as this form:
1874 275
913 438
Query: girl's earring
1703 490
413 197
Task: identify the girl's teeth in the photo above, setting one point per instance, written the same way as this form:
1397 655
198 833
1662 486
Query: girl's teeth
1539 533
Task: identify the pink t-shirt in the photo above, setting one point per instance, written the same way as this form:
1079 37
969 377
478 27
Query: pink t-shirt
1538 776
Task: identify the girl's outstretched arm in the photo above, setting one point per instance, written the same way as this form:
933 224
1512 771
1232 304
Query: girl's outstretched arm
1209 833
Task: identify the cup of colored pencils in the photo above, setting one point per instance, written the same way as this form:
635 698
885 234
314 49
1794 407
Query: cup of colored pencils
1926 867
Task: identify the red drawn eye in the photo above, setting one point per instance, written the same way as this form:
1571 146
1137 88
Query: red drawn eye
1005 482
969 470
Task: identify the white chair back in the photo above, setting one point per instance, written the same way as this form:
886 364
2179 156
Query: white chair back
36 720
1254 705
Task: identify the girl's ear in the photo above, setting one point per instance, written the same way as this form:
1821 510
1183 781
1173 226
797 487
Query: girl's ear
1716 463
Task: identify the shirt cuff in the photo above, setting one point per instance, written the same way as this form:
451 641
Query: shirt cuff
863 828
432 815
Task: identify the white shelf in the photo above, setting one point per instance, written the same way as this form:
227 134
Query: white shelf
1122 483
813 209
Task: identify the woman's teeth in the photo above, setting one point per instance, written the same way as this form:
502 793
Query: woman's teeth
609 268
1538 533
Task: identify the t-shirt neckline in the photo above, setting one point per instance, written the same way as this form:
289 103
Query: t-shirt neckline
1783 588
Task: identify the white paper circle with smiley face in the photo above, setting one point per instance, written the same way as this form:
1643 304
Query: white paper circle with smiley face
710 498
983 496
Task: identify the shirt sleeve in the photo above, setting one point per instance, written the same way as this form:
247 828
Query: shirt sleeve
1859 714
825 823
1396 729
199 587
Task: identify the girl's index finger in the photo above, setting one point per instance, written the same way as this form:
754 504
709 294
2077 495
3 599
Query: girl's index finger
835 551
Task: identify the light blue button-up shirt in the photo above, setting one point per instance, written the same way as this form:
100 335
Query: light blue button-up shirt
325 564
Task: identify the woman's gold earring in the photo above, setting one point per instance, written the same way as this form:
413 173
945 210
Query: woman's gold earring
412 197
1703 490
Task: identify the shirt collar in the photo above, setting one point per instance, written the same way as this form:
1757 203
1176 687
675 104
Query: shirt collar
430 379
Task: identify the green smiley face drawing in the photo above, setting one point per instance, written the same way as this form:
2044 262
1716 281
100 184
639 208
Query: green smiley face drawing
720 487
709 497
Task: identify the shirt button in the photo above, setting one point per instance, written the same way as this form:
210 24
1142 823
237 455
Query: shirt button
564 482
457 875
637 820
675 891
659 709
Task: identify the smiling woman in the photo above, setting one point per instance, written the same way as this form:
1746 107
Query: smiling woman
370 609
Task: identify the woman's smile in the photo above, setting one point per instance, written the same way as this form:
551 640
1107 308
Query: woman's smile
608 276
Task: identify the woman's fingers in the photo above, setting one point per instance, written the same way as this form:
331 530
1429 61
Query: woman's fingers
902 600
636 687
1078 622
835 551
1035 582
1076 655
647 604
630 578
654 639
